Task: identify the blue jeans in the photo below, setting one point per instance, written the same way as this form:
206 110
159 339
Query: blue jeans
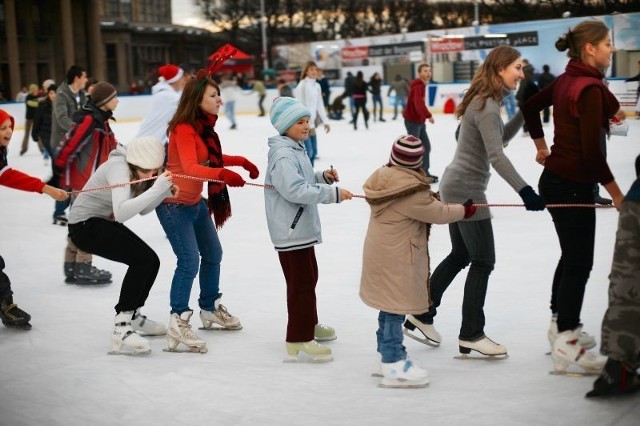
194 241
389 337
311 145
399 101
419 130
471 242
229 110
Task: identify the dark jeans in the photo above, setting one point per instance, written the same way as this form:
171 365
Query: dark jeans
261 104
5 282
301 274
419 130
114 241
576 228
471 242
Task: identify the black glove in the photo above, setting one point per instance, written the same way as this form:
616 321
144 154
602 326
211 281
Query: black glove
532 201
469 208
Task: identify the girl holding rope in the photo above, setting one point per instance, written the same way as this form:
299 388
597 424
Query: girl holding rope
480 145
582 107
96 225
195 150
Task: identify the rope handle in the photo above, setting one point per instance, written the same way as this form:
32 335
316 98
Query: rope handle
120 185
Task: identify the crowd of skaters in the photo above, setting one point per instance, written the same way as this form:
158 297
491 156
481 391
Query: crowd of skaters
193 149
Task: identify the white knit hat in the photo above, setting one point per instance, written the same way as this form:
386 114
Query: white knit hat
146 152
285 112
407 152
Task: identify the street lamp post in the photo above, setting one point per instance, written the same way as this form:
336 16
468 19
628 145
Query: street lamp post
263 29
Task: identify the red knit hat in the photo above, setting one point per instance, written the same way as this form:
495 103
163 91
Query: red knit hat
170 73
4 115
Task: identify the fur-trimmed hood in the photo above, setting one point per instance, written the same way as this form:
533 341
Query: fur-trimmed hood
390 183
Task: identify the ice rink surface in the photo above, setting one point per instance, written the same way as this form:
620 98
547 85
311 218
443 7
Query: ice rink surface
59 373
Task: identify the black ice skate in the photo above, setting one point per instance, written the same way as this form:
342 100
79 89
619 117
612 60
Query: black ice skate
12 316
87 274
616 379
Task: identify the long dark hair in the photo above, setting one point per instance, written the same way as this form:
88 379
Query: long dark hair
140 187
487 82
191 99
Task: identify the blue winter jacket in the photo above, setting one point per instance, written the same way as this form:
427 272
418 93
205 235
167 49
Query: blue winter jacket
291 205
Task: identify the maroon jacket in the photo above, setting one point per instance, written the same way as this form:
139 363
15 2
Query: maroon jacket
416 109
582 107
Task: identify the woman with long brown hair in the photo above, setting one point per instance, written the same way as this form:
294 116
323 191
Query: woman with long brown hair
480 145
582 106
195 150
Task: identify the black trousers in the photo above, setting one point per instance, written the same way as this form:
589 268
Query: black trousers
5 283
576 229
114 241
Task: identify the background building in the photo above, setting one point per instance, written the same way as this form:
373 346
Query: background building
122 41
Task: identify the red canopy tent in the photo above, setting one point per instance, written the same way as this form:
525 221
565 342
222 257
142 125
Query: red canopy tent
240 63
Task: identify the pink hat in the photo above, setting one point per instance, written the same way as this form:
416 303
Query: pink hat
170 73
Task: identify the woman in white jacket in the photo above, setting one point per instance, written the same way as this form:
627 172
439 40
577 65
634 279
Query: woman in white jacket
309 93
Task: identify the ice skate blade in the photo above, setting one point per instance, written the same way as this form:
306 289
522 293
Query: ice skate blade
131 353
377 374
220 328
586 373
424 340
202 350
318 359
482 357
403 384
25 326
325 339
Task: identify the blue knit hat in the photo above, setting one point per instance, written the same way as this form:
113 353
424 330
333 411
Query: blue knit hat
285 112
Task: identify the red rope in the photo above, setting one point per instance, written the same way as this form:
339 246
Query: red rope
119 185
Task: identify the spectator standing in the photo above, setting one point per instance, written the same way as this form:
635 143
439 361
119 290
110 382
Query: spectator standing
375 87
401 89
545 79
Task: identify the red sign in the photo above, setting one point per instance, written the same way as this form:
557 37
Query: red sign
446 45
354 52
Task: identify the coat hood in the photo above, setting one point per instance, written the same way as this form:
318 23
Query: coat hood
389 183
281 141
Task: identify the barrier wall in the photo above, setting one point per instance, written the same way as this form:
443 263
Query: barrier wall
133 108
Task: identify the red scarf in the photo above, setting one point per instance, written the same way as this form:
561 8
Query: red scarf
587 76
219 203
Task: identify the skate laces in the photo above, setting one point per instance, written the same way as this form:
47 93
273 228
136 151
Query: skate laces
185 329
407 365
323 327
223 313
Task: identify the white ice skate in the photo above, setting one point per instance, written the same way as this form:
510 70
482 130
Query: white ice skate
124 339
585 340
220 316
485 346
403 374
180 332
324 333
146 327
428 333
567 351
308 352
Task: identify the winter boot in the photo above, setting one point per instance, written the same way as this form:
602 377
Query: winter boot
483 345
585 340
616 379
180 332
87 274
219 316
124 339
403 374
12 316
324 333
146 327
431 335
308 351
566 351
70 272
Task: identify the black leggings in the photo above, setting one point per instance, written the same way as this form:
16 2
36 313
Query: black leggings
576 228
114 241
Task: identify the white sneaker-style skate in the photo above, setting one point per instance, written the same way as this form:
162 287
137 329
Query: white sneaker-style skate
308 352
567 351
124 339
585 340
485 346
146 327
428 333
403 374
324 333
180 332
220 316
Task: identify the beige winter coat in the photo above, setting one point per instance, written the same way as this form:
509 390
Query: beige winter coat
395 260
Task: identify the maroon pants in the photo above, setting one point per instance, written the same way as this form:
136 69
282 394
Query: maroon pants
301 273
